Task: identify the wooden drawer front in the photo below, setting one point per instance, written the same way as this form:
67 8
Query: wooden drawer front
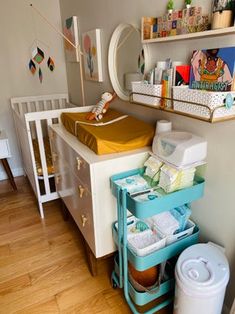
77 199
61 150
82 169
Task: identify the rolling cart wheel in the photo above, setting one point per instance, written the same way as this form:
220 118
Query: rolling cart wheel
114 285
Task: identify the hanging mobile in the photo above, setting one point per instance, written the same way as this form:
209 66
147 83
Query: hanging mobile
32 67
51 64
38 55
40 75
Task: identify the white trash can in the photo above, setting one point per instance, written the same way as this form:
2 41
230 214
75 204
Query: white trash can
202 274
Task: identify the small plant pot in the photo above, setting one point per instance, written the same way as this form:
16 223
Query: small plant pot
188 6
170 11
222 19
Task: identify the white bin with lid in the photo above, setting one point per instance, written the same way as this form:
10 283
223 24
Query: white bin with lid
202 274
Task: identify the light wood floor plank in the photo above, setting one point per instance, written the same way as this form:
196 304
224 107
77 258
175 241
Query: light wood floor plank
43 268
15 284
48 307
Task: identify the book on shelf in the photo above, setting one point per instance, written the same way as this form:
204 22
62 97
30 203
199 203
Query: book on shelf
213 69
167 81
175 76
148 27
181 75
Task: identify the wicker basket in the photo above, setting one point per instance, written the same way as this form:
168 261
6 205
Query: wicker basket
144 93
209 105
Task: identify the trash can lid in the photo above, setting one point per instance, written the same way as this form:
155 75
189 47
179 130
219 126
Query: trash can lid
203 268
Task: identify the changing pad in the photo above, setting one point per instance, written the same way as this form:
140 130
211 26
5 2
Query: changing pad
125 134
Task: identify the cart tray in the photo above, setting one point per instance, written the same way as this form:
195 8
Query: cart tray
144 209
161 255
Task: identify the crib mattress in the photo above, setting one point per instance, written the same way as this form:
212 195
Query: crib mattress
50 168
126 134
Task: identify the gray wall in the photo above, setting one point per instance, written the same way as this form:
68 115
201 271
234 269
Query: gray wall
215 213
17 33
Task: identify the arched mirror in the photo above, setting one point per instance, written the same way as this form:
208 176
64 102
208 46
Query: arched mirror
126 60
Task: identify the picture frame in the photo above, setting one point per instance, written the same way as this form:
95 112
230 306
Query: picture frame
71 31
91 43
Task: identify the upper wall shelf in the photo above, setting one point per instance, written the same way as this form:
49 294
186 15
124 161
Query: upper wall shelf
205 34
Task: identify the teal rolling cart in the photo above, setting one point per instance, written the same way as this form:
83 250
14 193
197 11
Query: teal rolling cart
143 210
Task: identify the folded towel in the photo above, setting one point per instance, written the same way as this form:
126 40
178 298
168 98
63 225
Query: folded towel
164 223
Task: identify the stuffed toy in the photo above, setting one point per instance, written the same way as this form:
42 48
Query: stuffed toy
101 107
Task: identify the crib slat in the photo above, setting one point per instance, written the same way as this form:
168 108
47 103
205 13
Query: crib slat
28 106
61 106
37 106
42 155
20 109
44 106
53 104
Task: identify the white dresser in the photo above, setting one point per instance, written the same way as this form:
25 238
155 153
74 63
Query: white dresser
82 181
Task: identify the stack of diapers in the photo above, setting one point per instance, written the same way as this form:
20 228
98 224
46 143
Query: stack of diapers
152 171
172 179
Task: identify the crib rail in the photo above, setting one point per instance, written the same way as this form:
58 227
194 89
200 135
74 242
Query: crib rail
23 105
32 117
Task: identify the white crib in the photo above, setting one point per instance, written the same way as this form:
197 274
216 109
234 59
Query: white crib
32 116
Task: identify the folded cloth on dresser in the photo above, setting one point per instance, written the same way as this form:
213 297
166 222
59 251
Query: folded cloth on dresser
116 132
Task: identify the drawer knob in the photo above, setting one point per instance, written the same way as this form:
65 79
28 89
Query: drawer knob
57 179
54 157
84 220
81 191
79 163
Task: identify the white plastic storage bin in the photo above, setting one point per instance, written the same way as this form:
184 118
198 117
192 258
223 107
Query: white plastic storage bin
203 104
183 234
202 274
145 243
131 223
144 93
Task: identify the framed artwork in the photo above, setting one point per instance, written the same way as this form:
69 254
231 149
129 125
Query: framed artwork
92 55
72 33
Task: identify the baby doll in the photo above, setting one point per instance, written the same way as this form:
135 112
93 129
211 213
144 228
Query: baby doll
101 107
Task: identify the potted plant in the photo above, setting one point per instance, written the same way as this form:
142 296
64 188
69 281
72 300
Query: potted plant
188 3
222 13
170 6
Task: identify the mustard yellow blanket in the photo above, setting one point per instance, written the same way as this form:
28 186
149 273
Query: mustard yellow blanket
124 134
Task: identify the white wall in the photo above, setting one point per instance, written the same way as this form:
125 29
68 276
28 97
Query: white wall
17 33
215 213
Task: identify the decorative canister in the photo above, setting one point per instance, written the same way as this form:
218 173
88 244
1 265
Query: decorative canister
223 11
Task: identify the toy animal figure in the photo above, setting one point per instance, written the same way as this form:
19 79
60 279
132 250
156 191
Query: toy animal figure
101 107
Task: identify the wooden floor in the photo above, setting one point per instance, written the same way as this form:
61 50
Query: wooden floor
42 263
